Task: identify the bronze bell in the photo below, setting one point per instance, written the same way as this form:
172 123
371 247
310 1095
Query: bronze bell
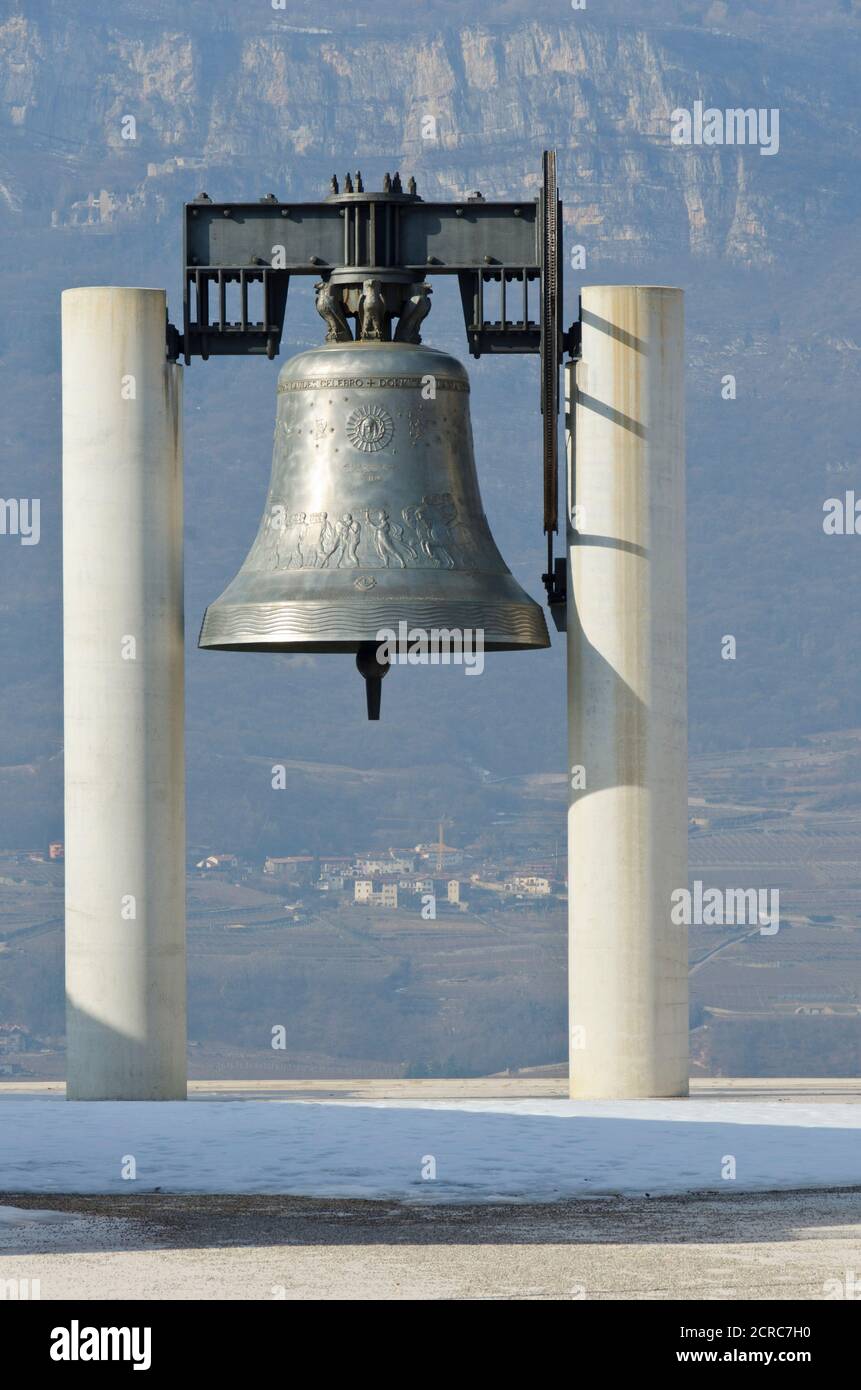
374 516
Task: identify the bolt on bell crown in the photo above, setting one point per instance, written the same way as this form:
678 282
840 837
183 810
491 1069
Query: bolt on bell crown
374 515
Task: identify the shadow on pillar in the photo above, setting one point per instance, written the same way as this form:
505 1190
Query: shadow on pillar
102 1063
593 680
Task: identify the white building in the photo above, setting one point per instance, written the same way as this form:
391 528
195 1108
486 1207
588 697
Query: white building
372 865
384 896
448 888
532 884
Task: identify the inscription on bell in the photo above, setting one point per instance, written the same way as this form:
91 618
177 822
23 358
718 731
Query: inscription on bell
375 383
370 428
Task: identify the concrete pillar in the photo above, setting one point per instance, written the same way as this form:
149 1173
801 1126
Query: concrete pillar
123 681
627 819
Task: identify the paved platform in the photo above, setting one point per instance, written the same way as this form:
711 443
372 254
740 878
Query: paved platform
786 1246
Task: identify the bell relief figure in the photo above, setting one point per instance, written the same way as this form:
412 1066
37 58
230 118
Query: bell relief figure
408 534
326 541
276 524
298 526
348 534
384 538
433 534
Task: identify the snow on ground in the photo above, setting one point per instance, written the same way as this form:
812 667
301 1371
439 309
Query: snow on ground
27 1216
522 1150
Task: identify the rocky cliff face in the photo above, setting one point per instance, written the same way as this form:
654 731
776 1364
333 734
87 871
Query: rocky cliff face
107 98
113 113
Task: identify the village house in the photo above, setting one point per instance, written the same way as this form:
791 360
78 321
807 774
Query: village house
530 885
372 864
336 865
291 868
383 894
13 1038
213 862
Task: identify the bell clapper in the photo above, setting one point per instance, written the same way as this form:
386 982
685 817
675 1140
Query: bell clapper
373 671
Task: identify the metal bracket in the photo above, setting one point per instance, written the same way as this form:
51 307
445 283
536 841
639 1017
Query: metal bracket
172 343
556 578
231 249
556 584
